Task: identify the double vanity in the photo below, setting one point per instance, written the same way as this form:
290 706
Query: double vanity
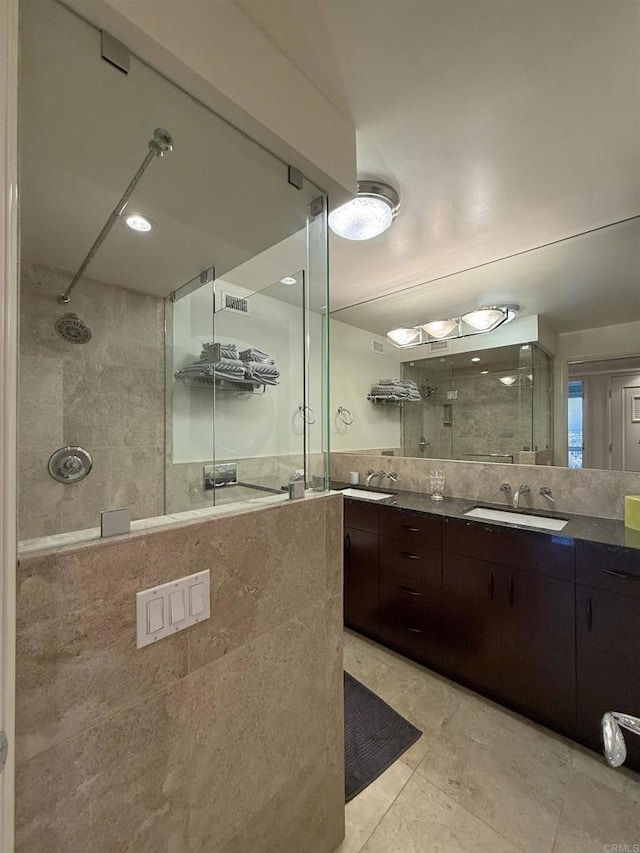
545 621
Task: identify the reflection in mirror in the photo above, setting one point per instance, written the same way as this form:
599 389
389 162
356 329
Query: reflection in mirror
604 414
579 302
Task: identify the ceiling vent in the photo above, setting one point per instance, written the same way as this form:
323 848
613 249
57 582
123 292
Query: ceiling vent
438 346
233 303
377 346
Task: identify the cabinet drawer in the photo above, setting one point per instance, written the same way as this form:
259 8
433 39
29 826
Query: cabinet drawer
609 568
545 555
409 526
413 562
360 515
412 625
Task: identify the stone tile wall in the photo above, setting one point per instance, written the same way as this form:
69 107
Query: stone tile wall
588 492
227 737
106 395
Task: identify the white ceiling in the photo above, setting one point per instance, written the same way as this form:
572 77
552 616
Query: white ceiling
505 125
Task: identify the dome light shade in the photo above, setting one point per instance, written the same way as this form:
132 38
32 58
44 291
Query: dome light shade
403 337
368 215
485 319
508 380
440 328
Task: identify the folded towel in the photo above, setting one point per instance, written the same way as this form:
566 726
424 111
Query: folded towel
253 354
226 351
261 368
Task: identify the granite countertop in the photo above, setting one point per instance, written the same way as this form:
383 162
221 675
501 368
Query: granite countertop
587 528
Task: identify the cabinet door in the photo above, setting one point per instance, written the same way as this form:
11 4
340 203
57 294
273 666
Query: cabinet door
472 596
411 598
538 647
608 637
361 580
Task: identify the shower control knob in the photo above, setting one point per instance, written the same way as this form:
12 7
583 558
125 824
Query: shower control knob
70 464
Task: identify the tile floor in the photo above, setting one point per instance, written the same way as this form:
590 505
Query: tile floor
481 778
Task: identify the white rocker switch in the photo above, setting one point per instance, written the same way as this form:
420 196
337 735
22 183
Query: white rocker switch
196 599
155 615
176 606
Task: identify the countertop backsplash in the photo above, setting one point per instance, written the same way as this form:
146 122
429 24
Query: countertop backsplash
585 492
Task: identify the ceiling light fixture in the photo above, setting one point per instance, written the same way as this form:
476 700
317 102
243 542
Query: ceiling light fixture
288 279
475 359
474 322
508 380
138 222
368 214
440 328
483 372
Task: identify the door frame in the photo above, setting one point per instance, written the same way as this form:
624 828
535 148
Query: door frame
8 399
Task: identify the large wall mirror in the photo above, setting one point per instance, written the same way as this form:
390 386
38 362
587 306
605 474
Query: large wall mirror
557 384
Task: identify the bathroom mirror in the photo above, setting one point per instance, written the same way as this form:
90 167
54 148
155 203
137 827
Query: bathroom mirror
579 319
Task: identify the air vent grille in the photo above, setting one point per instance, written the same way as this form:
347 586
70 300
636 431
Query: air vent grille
377 346
437 346
236 304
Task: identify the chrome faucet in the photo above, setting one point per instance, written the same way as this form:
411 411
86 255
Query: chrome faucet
371 474
523 490
545 491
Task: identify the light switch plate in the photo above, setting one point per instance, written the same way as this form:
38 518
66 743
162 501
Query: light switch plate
189 597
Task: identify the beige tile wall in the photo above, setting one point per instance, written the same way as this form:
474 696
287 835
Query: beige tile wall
227 737
588 492
106 395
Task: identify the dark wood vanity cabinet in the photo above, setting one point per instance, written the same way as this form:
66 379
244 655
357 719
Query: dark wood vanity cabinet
543 626
410 576
361 589
509 630
608 640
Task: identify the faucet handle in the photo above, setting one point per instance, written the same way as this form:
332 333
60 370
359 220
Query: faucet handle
545 491
504 488
393 476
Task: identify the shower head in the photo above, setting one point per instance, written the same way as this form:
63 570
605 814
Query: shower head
161 143
71 328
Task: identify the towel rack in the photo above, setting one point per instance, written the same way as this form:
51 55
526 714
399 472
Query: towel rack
307 414
345 416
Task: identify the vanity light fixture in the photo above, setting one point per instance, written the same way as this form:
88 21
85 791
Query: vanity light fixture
138 222
368 214
288 279
474 322
404 337
440 328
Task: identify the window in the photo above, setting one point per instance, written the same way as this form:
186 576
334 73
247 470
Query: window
575 433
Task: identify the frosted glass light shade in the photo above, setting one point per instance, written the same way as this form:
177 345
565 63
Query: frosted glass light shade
402 337
440 328
508 380
484 319
361 218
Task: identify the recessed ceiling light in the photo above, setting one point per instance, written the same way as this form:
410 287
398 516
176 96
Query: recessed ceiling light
139 223
475 359
482 372
288 279
368 214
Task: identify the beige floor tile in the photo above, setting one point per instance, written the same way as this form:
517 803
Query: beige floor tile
597 818
499 776
424 820
365 812
425 701
358 659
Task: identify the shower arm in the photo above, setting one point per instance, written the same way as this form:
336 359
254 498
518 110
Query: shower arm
158 147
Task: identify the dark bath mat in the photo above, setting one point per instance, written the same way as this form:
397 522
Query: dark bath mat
374 736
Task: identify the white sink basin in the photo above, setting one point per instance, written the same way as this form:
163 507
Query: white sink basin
522 519
367 496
